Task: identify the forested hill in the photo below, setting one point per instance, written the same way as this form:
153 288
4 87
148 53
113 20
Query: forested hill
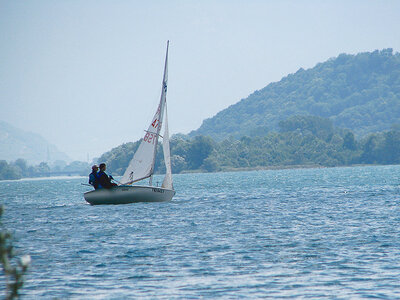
359 92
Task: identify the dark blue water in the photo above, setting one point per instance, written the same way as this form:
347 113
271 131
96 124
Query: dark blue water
308 233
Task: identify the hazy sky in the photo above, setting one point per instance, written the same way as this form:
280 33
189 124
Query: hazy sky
86 75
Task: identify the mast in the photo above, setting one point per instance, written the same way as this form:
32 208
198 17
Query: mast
142 163
161 107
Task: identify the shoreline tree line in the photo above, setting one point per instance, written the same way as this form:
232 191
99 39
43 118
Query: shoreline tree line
21 169
297 121
301 141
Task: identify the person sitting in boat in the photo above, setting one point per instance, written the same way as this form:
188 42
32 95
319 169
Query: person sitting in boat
103 179
93 177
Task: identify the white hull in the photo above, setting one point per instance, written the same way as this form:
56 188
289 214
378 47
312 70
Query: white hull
128 194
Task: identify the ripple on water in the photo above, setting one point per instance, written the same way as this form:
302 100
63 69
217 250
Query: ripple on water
313 233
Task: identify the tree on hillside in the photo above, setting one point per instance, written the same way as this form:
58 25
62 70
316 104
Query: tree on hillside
320 127
349 142
391 147
372 152
200 148
359 92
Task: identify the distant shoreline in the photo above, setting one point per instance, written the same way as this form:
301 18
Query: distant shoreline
45 178
282 167
224 170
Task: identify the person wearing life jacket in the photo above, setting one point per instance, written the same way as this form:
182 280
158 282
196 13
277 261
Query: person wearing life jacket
103 179
93 177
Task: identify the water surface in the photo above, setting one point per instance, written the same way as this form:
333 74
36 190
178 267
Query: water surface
310 233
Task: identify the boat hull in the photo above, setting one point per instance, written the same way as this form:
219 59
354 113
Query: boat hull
128 194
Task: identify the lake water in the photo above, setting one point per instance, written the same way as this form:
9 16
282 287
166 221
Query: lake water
303 233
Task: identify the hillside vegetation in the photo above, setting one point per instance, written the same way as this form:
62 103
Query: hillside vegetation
359 92
342 112
300 141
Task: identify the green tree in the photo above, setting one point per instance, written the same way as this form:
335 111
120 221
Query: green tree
178 164
370 148
43 167
8 171
360 92
391 147
210 164
349 141
199 149
22 165
320 127
13 274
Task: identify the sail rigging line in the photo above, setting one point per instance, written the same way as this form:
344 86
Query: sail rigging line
153 133
136 180
142 165
163 99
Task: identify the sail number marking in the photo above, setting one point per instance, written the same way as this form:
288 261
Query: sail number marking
150 138
155 123
156 190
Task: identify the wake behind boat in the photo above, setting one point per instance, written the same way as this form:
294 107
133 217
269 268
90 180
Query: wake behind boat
142 164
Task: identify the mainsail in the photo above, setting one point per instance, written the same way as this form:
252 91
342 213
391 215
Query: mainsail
142 163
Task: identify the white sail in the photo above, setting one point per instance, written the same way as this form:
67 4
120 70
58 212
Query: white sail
142 163
167 183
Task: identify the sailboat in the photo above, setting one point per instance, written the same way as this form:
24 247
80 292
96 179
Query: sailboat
142 164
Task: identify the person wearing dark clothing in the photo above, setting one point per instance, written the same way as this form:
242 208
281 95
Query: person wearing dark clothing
93 177
103 179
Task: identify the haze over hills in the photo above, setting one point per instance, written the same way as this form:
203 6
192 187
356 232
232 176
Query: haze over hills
359 92
16 143
342 112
